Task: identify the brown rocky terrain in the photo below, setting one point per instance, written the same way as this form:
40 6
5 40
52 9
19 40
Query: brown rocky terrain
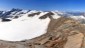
61 33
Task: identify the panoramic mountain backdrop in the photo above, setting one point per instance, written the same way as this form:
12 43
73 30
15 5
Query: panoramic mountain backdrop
41 29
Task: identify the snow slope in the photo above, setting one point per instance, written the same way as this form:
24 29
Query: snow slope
23 28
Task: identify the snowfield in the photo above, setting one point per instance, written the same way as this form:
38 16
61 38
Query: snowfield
23 28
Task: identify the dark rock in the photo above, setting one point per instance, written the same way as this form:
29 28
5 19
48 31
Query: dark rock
31 15
46 15
6 20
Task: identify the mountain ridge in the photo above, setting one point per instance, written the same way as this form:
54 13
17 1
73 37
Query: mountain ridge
16 13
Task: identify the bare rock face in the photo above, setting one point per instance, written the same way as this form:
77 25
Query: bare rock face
61 33
33 14
74 41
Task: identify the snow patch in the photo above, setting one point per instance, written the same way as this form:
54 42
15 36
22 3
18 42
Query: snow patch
55 16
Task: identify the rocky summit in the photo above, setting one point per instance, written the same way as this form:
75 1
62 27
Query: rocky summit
61 33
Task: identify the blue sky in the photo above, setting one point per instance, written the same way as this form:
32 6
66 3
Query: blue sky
61 5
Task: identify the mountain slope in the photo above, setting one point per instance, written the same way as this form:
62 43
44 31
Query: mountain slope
41 29
61 33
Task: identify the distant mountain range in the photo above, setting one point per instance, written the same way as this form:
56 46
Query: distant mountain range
16 13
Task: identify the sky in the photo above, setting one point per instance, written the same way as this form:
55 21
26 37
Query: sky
46 5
